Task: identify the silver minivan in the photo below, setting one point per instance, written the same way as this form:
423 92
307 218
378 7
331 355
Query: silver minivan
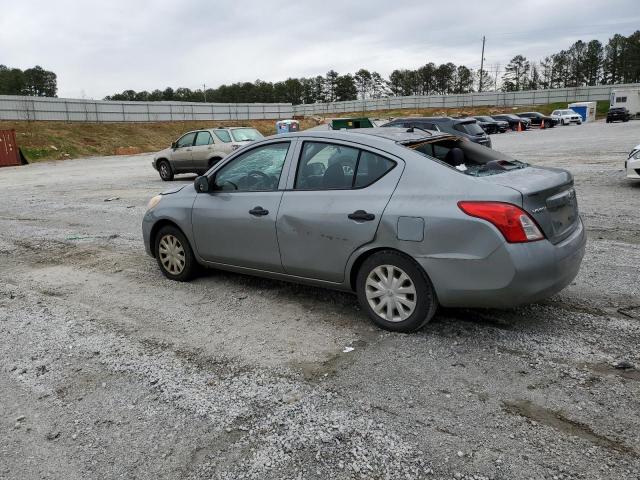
199 150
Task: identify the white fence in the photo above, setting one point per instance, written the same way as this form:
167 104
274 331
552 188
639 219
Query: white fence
528 97
72 110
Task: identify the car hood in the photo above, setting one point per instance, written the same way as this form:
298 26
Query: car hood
173 190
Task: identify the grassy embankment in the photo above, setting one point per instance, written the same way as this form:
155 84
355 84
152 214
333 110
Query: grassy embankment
62 140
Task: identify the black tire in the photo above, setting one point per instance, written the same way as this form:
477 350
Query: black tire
426 302
190 267
165 170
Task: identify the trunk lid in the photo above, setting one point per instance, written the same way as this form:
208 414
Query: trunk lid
547 195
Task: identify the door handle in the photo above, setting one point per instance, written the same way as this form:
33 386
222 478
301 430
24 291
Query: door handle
362 216
258 211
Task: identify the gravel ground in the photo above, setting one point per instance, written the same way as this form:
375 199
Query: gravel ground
108 370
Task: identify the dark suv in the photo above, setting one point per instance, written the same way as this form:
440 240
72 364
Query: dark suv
538 119
618 114
461 127
490 125
513 120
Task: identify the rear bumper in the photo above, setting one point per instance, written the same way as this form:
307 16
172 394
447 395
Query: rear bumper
512 275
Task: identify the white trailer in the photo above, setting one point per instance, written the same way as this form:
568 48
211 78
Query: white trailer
626 97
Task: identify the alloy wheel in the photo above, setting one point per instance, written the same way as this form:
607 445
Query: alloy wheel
164 170
391 293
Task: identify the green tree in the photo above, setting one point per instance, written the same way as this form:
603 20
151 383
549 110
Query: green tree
363 82
346 88
592 63
444 78
330 85
379 87
463 80
516 74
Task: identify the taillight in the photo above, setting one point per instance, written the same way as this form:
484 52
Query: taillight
514 223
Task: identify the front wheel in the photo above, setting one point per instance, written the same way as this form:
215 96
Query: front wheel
165 171
174 255
395 292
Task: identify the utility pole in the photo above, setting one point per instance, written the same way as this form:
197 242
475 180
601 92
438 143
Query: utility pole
481 65
204 91
495 80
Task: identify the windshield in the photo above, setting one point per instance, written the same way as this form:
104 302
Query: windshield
485 119
246 134
472 128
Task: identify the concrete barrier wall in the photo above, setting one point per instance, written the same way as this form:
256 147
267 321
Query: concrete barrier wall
500 99
75 110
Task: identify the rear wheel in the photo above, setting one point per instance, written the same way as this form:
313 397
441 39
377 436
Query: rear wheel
165 171
395 292
174 255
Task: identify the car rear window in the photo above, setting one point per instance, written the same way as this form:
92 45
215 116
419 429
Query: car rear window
472 128
223 135
466 157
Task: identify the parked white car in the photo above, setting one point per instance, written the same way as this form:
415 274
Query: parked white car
632 165
566 117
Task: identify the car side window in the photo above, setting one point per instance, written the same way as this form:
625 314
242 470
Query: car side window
223 135
203 138
257 170
371 168
186 140
326 166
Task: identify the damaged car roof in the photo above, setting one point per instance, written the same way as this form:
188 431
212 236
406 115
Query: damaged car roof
399 135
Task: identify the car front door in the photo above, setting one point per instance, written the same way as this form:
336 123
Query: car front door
234 223
181 155
332 205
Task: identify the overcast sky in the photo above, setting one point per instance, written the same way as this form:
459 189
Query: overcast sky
100 48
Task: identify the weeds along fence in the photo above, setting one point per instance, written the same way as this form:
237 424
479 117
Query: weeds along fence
484 99
82 110
78 110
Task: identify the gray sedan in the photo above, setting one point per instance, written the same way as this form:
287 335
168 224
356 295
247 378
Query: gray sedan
408 220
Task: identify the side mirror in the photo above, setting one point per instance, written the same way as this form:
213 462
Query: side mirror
174 145
201 184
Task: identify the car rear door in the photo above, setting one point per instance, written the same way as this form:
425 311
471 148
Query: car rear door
234 223
335 196
202 148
